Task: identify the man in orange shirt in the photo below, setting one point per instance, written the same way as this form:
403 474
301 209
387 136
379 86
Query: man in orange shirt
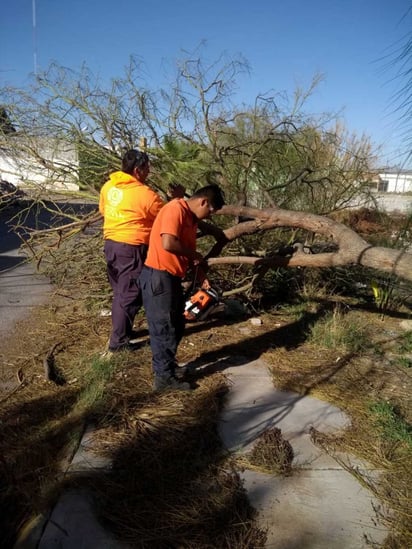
172 248
129 208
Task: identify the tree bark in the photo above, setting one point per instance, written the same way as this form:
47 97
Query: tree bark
351 248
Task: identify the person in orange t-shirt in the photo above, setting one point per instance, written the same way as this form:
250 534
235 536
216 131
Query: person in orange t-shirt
172 248
129 208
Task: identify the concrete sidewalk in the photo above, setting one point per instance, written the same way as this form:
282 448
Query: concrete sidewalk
320 506
21 288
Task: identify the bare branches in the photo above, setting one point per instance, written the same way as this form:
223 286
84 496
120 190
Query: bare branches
281 166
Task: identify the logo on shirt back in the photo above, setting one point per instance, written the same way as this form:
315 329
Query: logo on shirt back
114 196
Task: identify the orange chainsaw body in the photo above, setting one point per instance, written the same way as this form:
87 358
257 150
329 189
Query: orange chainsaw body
200 303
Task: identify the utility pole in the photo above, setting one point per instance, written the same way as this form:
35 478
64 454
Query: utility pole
34 37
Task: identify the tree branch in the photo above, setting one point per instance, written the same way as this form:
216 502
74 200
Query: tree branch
351 248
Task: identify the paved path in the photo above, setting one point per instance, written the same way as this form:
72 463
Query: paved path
21 288
321 505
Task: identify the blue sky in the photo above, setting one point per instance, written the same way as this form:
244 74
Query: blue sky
285 42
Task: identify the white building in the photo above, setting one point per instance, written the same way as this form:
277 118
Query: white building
39 162
394 181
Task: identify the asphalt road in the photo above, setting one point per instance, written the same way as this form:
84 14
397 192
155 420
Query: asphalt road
21 287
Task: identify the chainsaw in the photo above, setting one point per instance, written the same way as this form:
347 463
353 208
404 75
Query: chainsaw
201 303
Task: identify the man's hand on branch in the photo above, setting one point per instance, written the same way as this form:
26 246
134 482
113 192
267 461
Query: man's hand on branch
175 190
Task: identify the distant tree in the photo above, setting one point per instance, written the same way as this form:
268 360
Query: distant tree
5 124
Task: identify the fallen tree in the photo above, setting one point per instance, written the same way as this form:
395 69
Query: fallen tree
350 248
344 247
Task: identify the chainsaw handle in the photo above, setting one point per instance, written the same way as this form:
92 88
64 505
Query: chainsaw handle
205 284
201 278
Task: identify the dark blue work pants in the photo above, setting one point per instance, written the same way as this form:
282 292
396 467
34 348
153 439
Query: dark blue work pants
163 300
124 265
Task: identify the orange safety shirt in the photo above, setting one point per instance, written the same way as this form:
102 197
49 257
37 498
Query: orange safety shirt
175 218
129 208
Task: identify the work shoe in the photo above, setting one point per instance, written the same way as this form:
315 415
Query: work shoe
136 334
168 382
186 371
124 347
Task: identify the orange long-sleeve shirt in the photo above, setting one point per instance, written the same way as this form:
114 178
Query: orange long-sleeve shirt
129 209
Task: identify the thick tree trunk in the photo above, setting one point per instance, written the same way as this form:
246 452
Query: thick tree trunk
351 248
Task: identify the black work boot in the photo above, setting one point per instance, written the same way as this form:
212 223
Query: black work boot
125 347
169 382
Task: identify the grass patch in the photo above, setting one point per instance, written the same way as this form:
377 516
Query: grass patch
404 362
337 330
96 375
390 423
406 343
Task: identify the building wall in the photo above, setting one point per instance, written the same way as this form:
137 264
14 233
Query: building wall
48 163
387 202
392 182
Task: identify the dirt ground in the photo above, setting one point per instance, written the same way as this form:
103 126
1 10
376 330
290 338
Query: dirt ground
62 327
63 332
72 335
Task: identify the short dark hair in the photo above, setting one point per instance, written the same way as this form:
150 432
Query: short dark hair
213 193
134 159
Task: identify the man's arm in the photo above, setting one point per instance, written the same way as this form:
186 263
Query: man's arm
212 230
217 233
173 245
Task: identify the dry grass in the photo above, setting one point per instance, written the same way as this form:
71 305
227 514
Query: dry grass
171 484
354 380
271 454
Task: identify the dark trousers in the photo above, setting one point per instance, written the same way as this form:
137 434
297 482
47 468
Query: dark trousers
124 265
163 300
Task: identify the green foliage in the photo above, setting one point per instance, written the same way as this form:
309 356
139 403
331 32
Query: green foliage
405 362
180 161
6 127
96 375
391 424
288 161
405 348
297 310
340 331
406 342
